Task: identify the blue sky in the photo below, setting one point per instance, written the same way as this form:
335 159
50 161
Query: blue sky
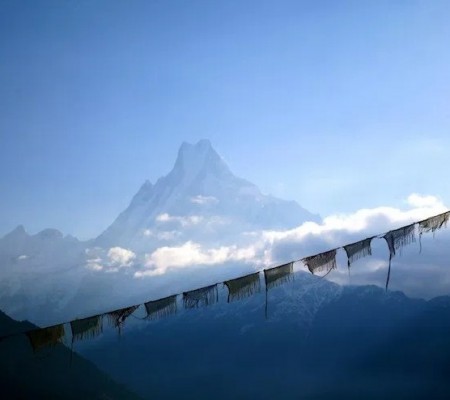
338 105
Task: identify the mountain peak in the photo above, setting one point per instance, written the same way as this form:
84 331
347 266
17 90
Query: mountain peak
49 234
13 239
201 149
199 157
18 231
144 193
204 144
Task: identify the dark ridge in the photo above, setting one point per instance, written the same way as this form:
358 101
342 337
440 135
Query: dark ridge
52 373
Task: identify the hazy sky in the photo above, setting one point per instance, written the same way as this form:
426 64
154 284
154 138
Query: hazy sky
338 105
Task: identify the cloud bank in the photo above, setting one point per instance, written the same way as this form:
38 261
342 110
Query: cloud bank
204 200
112 260
121 257
190 254
269 248
183 221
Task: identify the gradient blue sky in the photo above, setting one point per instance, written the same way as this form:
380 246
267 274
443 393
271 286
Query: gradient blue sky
338 105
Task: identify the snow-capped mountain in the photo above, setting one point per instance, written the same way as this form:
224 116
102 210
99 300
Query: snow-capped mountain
200 199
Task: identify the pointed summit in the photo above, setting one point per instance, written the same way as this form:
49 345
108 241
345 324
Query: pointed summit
18 232
144 193
194 159
202 146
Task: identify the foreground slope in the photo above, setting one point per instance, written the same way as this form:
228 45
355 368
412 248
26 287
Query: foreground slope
51 373
319 341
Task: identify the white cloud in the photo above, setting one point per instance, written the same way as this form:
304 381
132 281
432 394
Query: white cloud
183 221
98 259
204 200
338 230
192 254
162 235
164 218
23 257
374 220
94 258
421 201
121 257
94 263
168 235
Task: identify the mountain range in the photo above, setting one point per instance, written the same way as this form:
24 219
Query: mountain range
319 340
48 276
53 373
308 338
